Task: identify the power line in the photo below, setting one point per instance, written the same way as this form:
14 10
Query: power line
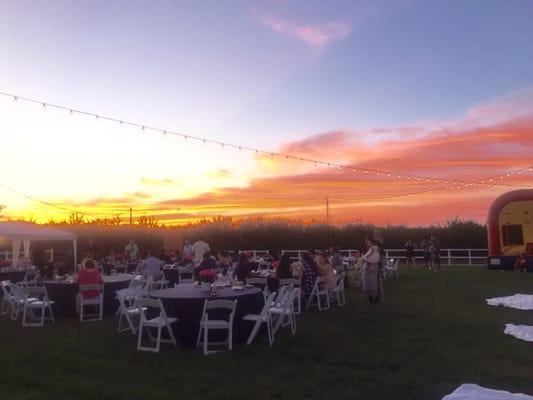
489 181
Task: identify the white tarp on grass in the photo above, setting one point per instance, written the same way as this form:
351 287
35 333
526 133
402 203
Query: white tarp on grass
518 301
469 391
524 332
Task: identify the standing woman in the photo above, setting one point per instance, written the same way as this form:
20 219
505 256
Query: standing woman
371 271
410 253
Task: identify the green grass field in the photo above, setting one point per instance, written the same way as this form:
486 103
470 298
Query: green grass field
432 333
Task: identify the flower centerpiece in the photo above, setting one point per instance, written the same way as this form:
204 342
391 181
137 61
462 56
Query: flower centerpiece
207 277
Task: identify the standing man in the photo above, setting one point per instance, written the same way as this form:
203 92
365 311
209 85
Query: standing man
199 248
152 267
131 251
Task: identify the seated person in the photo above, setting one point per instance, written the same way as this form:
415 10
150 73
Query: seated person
308 273
208 262
284 270
224 262
325 269
243 268
89 275
152 267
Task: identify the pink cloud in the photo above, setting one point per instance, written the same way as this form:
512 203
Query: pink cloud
313 35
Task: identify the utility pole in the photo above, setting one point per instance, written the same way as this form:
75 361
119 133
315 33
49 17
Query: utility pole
131 216
328 222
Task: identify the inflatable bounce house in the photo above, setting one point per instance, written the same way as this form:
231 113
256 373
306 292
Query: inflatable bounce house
510 229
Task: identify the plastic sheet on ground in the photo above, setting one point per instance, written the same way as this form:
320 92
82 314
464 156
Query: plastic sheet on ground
518 301
523 332
469 391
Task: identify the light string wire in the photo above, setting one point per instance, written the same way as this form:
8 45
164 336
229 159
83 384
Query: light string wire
384 173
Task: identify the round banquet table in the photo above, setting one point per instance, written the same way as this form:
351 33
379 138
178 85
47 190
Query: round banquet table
64 294
186 302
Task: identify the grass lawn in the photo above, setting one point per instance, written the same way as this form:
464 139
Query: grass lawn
432 333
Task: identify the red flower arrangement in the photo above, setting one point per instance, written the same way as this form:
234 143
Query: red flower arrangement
207 275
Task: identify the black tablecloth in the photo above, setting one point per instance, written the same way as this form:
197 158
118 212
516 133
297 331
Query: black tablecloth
64 295
13 276
186 303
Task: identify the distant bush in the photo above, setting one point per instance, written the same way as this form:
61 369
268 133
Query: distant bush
256 233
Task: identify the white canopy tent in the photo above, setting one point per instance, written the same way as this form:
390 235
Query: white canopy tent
23 233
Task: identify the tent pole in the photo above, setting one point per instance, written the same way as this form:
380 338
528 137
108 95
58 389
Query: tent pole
75 244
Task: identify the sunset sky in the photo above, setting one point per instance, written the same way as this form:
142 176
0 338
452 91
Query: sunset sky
440 89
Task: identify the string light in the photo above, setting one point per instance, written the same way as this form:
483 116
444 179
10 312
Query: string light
71 111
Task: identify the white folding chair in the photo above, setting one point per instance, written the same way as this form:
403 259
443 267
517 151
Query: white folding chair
338 292
18 299
182 271
97 301
297 284
128 308
43 304
207 324
31 278
392 269
319 291
263 317
158 322
7 298
260 282
156 285
282 312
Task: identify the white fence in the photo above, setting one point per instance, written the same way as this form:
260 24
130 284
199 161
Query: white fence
448 256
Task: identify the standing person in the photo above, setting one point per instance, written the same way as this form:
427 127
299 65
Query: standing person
370 277
199 248
434 252
325 269
92 249
521 263
131 251
308 273
187 252
337 261
152 267
410 253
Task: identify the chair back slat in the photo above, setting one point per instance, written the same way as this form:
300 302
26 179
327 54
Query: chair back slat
222 304
92 286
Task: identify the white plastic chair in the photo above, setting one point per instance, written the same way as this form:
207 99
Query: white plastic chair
43 303
18 299
338 292
263 317
128 308
7 298
297 284
207 324
159 322
259 282
392 269
282 312
319 291
97 301
31 278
